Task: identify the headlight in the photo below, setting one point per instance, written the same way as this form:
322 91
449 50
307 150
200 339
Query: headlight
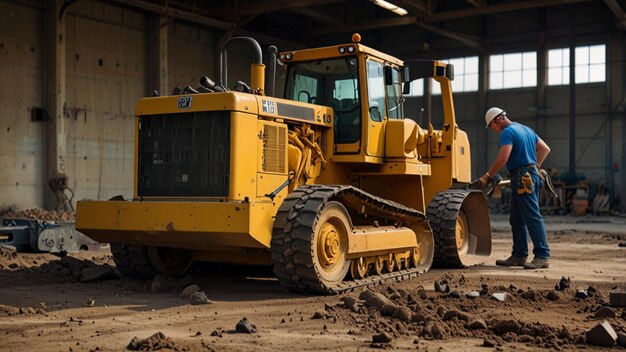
350 49
342 50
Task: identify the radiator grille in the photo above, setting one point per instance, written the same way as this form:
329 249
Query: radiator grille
186 154
273 149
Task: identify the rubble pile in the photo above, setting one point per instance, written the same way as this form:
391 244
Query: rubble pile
38 214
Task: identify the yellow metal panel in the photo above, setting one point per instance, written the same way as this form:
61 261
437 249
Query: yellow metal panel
268 183
357 159
376 240
243 156
463 167
405 167
234 101
333 51
269 106
194 225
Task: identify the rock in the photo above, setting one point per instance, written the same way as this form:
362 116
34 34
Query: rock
477 324
591 291
388 310
317 315
604 313
442 286
450 314
199 298
366 295
455 294
581 294
402 313
484 291
188 291
488 343
382 338
377 301
422 293
552 296
530 295
621 340
464 316
622 244
350 302
472 294
602 335
418 318
155 342
563 284
244 326
501 327
217 332
96 273
500 296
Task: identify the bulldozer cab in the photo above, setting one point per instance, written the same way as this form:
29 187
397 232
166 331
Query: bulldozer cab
362 85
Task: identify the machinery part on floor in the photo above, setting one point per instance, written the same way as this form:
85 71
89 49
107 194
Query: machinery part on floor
315 242
28 235
133 261
462 231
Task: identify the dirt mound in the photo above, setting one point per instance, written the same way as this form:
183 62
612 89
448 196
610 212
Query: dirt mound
441 315
39 214
155 342
8 258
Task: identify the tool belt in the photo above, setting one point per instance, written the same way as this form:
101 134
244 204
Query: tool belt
525 181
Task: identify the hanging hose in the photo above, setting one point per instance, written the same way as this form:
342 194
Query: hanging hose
58 184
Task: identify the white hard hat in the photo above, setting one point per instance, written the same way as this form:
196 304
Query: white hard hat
492 114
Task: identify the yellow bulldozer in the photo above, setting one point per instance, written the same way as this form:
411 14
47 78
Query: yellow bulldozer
331 184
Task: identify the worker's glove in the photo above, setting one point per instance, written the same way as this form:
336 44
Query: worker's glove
481 182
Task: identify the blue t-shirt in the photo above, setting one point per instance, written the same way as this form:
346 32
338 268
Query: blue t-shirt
524 141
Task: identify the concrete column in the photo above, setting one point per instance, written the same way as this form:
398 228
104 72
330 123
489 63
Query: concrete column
158 52
483 134
54 82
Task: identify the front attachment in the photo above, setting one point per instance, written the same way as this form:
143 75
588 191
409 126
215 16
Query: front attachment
461 228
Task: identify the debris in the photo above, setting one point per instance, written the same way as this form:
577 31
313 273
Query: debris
450 314
563 284
488 343
501 327
500 296
90 302
617 298
621 340
485 290
472 294
530 295
317 315
402 313
477 324
552 296
455 294
199 298
244 326
217 332
381 338
602 335
582 294
189 290
605 313
442 286
155 342
622 244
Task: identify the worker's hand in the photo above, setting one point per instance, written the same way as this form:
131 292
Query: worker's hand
482 181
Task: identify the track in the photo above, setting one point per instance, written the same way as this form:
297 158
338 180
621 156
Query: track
295 223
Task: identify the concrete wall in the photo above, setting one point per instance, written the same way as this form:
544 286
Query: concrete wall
22 142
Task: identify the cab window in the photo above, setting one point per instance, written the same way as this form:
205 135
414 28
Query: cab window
394 96
376 90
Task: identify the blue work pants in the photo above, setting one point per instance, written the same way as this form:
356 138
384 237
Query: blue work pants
525 218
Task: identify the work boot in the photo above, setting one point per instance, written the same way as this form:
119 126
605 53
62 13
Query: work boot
512 261
538 263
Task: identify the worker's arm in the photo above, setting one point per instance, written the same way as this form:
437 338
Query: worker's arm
501 159
542 152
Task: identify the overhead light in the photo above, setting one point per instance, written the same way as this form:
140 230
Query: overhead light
391 7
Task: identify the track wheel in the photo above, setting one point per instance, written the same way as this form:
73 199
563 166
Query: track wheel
414 257
379 265
358 268
330 244
390 263
170 261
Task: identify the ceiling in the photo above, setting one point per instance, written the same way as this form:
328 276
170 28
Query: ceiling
306 23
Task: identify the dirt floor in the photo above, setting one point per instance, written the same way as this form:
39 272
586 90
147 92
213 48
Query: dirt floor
52 304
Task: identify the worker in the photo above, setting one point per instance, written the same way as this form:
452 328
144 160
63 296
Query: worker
523 152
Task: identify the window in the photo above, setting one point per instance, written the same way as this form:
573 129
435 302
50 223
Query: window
376 90
333 83
513 70
590 65
394 96
465 77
